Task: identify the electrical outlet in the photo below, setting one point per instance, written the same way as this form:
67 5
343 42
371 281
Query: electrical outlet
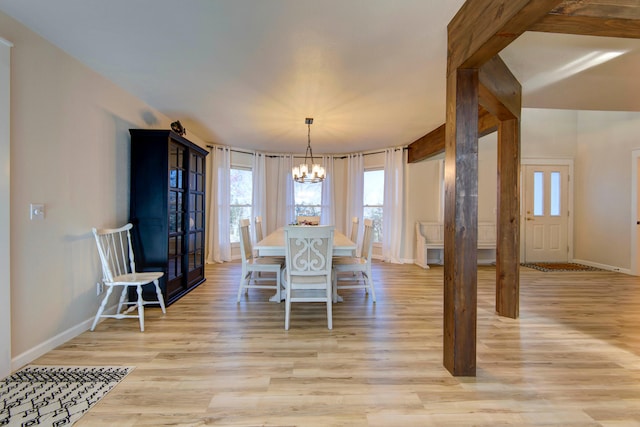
99 288
36 211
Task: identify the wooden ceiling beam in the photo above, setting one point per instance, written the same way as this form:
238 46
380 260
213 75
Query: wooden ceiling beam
608 18
427 146
589 26
500 92
487 122
613 9
482 28
432 143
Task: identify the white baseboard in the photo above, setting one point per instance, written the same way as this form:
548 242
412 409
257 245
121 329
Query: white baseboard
32 354
603 266
420 264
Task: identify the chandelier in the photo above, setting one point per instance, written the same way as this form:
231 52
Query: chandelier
308 172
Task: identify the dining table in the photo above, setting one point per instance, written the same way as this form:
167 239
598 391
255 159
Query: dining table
274 245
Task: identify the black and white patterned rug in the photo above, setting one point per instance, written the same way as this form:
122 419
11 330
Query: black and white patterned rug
559 266
54 395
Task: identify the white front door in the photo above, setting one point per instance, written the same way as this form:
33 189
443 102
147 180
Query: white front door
546 213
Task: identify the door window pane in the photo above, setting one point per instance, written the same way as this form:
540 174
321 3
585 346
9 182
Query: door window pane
554 194
538 193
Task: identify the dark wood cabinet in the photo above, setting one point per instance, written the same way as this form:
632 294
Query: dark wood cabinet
167 209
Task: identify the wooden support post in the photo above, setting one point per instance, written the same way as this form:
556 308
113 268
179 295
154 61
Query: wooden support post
461 223
508 223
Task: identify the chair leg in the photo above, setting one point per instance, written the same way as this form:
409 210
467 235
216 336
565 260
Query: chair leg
287 314
160 298
103 304
123 295
329 310
243 278
334 285
287 307
140 304
369 283
278 290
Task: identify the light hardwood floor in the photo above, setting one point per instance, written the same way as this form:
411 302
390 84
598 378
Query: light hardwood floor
571 359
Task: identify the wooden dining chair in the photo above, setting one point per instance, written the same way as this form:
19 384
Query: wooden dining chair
119 271
360 265
307 276
252 264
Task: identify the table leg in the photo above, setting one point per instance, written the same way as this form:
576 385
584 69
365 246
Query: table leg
280 295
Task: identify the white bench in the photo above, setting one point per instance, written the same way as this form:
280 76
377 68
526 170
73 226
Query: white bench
431 241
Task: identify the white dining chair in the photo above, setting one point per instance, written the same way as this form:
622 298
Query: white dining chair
355 222
119 270
361 265
258 229
307 276
252 264
354 229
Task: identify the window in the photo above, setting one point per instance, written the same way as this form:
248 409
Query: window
538 193
555 194
308 198
241 190
374 200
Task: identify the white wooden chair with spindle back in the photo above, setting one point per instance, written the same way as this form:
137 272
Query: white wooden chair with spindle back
119 270
307 277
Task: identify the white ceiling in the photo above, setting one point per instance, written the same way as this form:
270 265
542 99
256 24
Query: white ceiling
371 73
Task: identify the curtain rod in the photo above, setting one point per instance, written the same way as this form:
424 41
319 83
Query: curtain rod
298 156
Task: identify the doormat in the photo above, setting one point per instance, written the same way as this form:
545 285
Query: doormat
559 266
55 395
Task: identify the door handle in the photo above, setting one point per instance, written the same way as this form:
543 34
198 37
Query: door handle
529 219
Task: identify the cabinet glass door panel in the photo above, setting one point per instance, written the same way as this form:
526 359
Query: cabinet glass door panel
176 212
196 216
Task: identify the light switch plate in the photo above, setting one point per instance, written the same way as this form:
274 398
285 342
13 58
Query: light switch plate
36 211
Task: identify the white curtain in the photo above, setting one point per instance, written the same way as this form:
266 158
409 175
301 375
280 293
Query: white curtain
327 210
219 244
355 191
392 222
279 192
259 202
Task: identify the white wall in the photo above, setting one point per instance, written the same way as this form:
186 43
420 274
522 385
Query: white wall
603 185
548 134
5 179
70 151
